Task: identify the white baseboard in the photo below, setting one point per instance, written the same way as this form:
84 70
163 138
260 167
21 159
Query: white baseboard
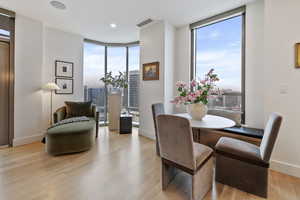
147 134
286 168
27 140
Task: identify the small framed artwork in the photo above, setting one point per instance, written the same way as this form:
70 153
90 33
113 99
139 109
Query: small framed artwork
151 71
297 55
64 69
65 85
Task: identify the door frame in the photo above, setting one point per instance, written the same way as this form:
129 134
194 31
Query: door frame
9 24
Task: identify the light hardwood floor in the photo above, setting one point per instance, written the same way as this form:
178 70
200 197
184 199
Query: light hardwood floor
119 167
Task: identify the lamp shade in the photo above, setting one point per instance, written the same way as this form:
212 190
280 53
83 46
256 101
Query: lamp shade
51 86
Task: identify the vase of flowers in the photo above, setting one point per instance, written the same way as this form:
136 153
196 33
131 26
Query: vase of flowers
195 95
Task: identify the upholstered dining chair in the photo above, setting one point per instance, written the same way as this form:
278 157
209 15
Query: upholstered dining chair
179 153
244 165
157 109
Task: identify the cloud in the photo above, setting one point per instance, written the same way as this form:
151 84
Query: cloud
227 64
209 56
93 69
214 35
210 35
235 44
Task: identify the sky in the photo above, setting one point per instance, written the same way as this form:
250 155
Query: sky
116 61
218 46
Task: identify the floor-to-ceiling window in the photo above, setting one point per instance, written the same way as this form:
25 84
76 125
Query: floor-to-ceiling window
218 43
94 69
116 63
100 59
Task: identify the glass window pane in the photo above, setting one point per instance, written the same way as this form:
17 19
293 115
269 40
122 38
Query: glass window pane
94 89
4 32
219 46
134 77
116 62
94 69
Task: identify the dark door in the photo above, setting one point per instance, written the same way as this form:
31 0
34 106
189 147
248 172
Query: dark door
4 93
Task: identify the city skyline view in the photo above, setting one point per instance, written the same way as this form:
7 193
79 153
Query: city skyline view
94 69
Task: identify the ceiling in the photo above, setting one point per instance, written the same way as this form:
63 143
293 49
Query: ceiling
91 18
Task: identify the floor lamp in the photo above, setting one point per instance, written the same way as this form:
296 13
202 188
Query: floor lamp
51 87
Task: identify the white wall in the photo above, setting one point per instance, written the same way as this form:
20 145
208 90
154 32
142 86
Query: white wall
169 66
156 44
282 31
151 50
59 45
254 64
28 80
182 59
36 49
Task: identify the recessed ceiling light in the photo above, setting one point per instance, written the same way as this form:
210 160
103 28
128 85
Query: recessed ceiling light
113 25
58 5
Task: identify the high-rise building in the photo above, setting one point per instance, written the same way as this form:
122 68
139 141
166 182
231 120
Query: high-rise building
229 101
97 96
134 77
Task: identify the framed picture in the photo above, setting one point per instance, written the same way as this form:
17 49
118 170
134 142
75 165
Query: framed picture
64 69
297 55
151 71
65 85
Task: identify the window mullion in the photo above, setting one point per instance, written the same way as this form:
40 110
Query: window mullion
106 92
127 77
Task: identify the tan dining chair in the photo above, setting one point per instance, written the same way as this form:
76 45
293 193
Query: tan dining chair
244 165
179 153
157 109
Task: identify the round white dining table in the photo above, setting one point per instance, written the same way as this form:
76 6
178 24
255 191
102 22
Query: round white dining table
209 122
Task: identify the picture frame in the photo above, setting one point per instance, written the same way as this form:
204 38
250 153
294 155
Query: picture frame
297 55
64 69
66 86
151 71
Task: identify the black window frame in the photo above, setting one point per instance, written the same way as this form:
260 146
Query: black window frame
240 11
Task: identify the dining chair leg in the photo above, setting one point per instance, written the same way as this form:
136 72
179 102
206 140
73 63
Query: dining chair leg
168 174
202 181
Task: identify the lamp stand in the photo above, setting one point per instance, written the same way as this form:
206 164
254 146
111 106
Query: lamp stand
51 97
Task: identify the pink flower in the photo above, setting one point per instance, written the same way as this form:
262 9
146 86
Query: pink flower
191 97
193 83
179 100
181 84
203 82
198 93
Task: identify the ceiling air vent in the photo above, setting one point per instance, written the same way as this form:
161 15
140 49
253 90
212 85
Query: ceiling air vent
58 5
145 22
